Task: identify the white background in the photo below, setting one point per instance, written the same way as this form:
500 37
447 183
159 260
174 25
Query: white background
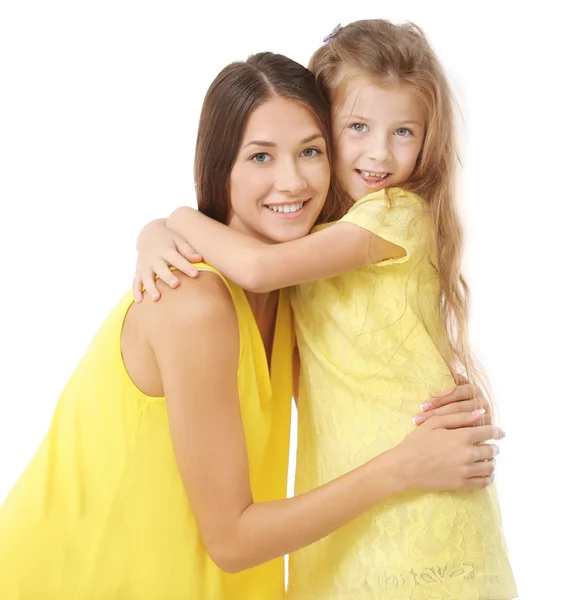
99 105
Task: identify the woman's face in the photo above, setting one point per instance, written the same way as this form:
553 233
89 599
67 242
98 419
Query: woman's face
280 179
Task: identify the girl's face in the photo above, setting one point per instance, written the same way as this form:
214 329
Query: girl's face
378 131
280 179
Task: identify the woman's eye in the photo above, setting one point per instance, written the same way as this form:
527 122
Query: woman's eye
261 157
311 152
359 127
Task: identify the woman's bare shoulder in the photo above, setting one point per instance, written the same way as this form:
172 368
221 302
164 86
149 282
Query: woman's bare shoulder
196 302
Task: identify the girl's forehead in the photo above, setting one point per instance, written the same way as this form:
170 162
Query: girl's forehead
366 95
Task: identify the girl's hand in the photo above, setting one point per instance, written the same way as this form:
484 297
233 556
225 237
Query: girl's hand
159 248
463 397
448 453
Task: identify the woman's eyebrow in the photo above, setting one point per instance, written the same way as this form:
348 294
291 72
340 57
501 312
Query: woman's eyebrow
268 144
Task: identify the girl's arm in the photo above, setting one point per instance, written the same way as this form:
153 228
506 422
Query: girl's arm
260 267
194 335
158 249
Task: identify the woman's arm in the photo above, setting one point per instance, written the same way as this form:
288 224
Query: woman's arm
463 397
260 267
194 335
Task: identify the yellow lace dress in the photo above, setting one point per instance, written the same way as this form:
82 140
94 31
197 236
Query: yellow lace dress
371 345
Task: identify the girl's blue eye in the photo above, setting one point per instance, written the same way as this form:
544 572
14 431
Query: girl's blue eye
311 152
260 157
403 132
359 127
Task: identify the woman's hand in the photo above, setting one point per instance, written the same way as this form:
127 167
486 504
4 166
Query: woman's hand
464 397
448 453
159 248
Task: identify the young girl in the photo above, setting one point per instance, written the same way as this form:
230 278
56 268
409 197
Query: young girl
381 316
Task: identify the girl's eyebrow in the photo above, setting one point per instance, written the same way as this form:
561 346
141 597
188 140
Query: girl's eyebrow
353 116
267 144
411 123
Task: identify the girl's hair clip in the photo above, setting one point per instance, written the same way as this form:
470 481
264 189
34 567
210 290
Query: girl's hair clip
333 34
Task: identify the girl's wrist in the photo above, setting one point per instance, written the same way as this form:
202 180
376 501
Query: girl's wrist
150 227
180 214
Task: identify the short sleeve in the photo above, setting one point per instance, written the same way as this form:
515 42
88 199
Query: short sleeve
398 216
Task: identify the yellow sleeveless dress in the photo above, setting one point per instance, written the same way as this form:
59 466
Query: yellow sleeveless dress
371 346
101 513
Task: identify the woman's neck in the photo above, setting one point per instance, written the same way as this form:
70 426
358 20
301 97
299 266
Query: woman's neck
265 310
263 305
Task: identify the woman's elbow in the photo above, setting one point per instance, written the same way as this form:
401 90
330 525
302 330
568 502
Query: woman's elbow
229 556
226 563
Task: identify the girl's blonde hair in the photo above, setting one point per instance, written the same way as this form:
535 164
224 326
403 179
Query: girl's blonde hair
384 51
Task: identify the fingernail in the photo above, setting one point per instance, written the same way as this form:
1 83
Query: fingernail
155 296
418 420
444 393
426 405
479 412
173 282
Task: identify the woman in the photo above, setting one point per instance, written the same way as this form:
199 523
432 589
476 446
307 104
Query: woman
163 473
